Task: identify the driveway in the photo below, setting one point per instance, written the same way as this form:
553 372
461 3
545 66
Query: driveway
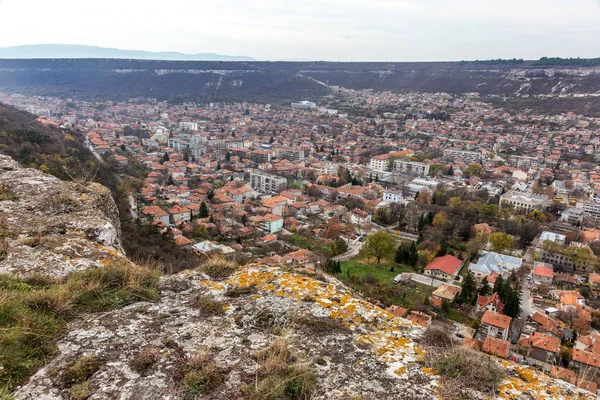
353 249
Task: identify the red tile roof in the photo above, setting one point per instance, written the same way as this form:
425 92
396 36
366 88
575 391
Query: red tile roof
495 319
448 264
495 346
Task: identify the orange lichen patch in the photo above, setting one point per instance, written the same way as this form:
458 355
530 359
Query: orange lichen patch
249 277
400 371
213 285
428 371
526 374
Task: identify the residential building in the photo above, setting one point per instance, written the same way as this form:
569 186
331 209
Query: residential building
495 325
542 347
467 156
496 347
490 262
272 223
179 214
188 126
392 196
490 303
380 163
445 267
411 167
360 217
267 183
543 274
591 210
523 162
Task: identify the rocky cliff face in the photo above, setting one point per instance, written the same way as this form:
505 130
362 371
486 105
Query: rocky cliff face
52 227
351 348
263 332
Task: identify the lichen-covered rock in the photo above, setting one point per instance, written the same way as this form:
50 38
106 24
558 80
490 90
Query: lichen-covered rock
52 227
356 349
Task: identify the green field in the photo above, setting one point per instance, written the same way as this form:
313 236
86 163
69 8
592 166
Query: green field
380 271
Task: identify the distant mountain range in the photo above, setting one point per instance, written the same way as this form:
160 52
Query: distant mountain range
81 51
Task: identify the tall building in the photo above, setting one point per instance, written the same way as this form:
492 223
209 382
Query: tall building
267 183
380 163
411 167
469 156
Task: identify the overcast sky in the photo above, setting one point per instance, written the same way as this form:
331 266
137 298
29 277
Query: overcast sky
378 30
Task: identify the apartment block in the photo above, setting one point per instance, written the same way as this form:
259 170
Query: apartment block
267 183
411 167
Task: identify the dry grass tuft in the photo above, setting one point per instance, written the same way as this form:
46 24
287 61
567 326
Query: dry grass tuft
79 391
201 376
279 377
320 325
463 371
219 267
145 359
207 305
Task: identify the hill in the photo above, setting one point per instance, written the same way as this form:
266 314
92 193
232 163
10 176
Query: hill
283 82
80 51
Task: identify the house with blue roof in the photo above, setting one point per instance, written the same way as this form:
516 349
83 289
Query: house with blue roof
490 261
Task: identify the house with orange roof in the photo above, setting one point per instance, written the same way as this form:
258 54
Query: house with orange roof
419 318
586 361
543 347
490 303
155 213
445 267
496 325
496 347
397 310
543 274
272 223
179 214
594 279
563 373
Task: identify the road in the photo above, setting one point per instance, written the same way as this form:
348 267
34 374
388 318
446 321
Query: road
526 309
401 235
353 249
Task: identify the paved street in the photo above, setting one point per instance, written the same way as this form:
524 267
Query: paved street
353 249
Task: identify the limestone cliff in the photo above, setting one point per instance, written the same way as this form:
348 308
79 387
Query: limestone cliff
52 227
262 332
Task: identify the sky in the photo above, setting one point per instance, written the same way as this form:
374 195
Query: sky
331 30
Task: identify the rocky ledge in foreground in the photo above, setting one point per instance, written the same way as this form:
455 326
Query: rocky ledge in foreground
265 332
51 227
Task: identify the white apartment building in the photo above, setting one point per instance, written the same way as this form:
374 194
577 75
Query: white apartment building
267 183
591 210
392 196
469 156
304 105
411 167
523 162
524 201
380 163
188 126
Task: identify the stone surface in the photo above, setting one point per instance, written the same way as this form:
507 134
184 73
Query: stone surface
54 227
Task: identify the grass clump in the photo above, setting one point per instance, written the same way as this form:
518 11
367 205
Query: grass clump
201 376
79 370
320 325
207 305
79 391
462 370
280 377
34 310
145 359
239 291
219 267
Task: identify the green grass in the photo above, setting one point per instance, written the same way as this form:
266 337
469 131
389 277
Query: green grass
384 289
34 311
361 267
